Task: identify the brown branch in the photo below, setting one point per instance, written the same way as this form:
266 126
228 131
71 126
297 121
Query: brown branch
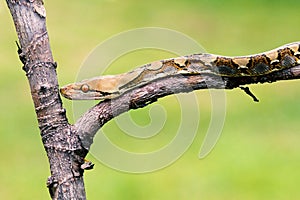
96 117
63 147
67 145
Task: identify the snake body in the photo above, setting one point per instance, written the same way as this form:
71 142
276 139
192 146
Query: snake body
111 86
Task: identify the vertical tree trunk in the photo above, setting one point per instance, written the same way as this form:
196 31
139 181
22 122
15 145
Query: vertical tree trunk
67 145
63 147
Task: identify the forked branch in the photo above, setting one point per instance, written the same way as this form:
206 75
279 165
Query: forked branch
67 145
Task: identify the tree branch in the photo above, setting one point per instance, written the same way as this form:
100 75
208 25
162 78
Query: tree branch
63 147
67 145
96 117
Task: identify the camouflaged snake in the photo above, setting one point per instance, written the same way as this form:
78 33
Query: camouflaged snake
111 86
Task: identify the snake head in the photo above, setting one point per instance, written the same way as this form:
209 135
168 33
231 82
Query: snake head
98 88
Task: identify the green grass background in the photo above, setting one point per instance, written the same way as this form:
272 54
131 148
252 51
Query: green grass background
257 156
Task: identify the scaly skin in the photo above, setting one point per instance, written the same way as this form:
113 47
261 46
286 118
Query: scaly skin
111 86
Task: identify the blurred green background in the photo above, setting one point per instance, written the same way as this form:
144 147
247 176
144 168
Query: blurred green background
258 154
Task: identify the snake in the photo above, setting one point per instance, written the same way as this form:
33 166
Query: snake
112 86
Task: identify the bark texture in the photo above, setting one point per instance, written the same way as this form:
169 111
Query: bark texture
67 145
88 125
63 147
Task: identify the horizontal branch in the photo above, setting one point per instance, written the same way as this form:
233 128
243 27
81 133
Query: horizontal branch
97 116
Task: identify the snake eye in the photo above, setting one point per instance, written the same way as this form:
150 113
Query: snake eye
85 88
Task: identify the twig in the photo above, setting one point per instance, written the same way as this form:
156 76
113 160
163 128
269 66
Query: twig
247 91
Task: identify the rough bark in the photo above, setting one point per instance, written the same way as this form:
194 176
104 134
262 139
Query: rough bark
62 145
88 125
67 145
